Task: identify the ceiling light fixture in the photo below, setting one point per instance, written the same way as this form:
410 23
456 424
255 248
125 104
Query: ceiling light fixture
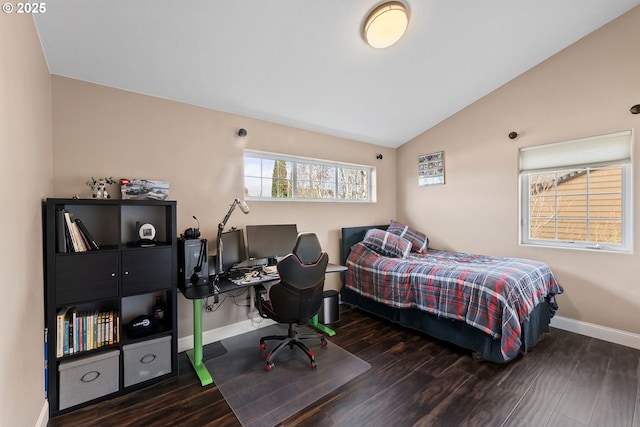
386 24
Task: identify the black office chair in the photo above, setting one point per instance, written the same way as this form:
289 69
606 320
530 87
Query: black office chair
297 297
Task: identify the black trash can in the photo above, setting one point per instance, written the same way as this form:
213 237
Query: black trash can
329 311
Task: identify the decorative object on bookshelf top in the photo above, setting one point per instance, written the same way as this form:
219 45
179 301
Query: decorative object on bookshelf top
140 189
99 187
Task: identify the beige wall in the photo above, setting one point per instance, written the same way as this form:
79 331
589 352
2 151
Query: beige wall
587 89
26 172
101 131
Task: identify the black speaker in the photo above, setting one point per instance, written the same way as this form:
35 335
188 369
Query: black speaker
193 268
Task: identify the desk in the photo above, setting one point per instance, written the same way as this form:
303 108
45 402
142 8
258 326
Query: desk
199 292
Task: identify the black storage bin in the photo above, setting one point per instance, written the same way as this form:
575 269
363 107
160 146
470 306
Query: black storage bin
329 311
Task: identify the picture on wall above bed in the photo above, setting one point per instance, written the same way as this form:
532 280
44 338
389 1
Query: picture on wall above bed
431 169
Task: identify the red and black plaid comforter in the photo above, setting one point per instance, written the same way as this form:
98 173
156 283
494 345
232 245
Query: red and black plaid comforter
492 294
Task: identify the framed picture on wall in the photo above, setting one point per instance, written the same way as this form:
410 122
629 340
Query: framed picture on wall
431 169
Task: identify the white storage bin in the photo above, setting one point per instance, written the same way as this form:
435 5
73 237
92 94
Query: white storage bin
146 360
88 378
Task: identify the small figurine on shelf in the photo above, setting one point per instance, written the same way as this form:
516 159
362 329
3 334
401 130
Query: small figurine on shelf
99 187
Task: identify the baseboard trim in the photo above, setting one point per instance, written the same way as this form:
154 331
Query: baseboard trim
577 326
596 331
213 335
43 418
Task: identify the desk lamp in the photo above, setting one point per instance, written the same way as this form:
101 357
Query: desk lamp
245 209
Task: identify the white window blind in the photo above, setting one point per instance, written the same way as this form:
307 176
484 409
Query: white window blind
595 150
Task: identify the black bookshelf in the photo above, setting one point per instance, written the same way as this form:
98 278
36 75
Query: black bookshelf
109 286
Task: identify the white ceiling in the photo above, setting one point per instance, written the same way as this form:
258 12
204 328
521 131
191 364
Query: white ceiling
305 64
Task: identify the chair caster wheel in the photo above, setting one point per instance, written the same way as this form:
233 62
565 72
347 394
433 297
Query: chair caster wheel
313 364
269 367
263 346
323 342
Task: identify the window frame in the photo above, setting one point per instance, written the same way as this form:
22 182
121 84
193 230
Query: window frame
626 216
295 160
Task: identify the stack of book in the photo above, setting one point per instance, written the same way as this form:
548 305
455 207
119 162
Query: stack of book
86 330
72 235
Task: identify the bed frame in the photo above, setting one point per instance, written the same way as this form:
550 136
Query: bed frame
458 332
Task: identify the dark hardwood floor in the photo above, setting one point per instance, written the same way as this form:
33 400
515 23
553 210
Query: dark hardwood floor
566 380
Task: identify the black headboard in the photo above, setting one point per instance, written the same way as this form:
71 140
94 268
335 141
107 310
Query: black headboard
353 235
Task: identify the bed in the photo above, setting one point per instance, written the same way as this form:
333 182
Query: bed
496 307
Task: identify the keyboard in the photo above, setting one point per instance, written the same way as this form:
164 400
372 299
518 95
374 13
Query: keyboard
235 274
256 279
251 263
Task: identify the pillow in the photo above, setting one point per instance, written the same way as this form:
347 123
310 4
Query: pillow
387 244
419 241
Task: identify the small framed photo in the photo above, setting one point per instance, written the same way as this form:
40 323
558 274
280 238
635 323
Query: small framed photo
431 169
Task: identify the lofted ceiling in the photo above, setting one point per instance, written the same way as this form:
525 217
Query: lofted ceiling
305 64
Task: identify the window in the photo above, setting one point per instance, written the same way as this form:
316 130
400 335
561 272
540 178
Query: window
578 193
270 176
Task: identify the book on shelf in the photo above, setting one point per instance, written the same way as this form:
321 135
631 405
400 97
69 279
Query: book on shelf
77 333
74 243
74 332
66 336
94 330
110 322
83 239
60 328
80 331
72 318
72 234
61 234
67 234
91 242
79 240
100 333
85 347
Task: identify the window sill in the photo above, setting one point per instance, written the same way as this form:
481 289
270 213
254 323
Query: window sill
568 246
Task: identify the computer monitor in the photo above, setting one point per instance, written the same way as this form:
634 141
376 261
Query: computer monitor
271 241
233 249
